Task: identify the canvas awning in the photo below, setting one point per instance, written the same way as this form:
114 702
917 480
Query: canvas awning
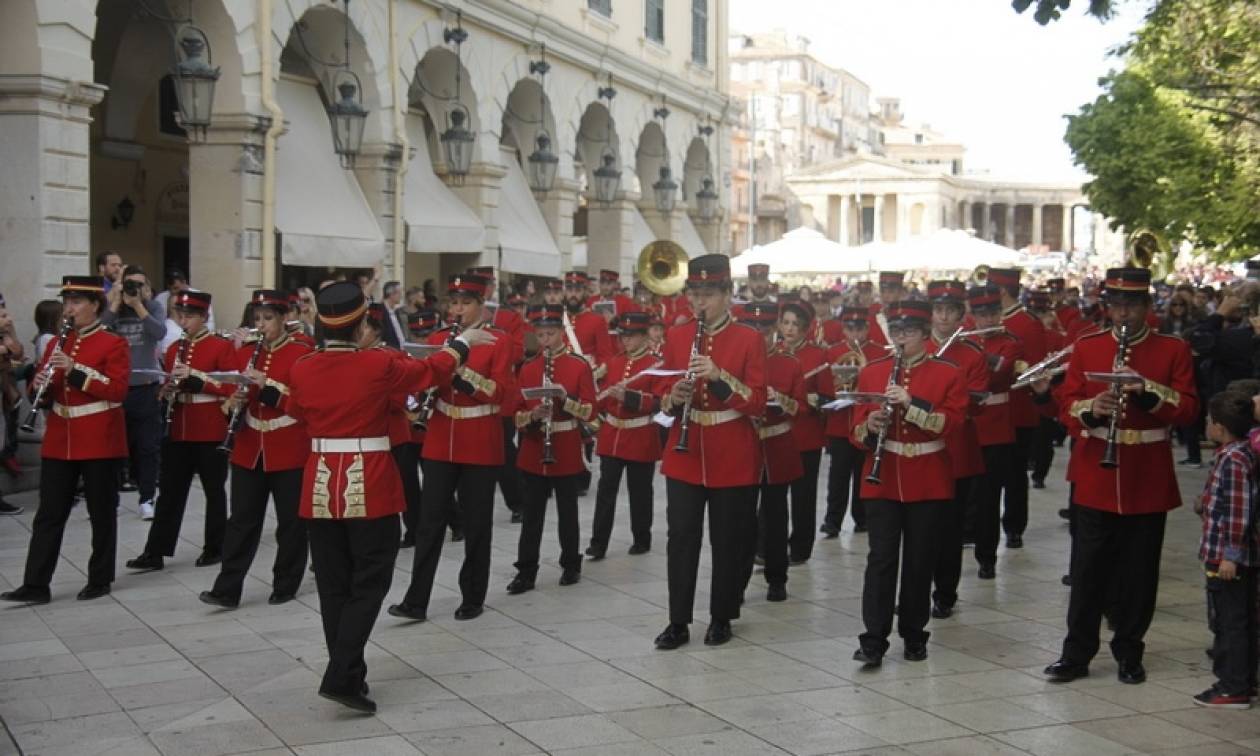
527 244
437 220
689 238
321 213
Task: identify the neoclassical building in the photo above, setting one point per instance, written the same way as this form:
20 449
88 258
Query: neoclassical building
471 152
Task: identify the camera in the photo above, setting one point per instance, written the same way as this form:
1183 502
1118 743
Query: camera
131 287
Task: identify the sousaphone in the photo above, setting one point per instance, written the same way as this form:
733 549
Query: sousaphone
662 267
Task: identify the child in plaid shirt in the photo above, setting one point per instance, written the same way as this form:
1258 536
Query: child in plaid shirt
1229 551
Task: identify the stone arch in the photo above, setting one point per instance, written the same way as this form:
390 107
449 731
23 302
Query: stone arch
697 165
597 136
650 155
433 86
526 112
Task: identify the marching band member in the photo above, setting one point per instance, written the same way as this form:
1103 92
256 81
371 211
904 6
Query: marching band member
844 476
84 375
586 332
197 427
267 457
1048 431
1064 311
892 287
759 283
463 446
551 448
715 402
795 319
906 502
295 326
351 493
948 309
1121 507
610 291
628 440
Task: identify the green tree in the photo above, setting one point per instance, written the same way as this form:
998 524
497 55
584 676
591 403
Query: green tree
1045 11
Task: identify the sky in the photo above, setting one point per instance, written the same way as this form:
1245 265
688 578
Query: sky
974 70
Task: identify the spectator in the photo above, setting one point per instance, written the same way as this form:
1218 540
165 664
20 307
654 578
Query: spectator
392 298
134 315
173 329
48 319
414 300
306 309
109 266
1179 320
12 361
177 281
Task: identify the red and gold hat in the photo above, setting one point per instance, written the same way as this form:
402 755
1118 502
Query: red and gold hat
485 271
909 312
1004 277
377 313
421 322
553 284
1039 299
467 283
891 279
759 314
609 276
191 299
516 300
1128 281
88 286
633 322
278 299
576 278
546 315
855 314
865 287
758 272
947 292
1056 285
340 304
983 297
708 270
794 304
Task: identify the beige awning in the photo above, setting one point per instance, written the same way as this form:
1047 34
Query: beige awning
528 246
437 220
321 213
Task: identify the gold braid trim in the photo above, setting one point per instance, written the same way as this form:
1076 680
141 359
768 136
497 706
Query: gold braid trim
789 405
277 385
932 422
580 410
1079 408
1166 394
479 382
205 378
736 385
320 492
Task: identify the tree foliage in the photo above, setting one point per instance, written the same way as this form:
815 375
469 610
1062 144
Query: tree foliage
1045 11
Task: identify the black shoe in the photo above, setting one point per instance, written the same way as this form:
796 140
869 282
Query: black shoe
356 701
408 541
1066 580
859 528
517 519
1131 673
128 486
570 577
719 632
91 591
986 572
916 651
403 611
594 553
219 600
276 598
520 585
469 611
672 637
1065 513
27 594
209 558
869 659
1014 541
639 548
797 561
1064 671
776 592
457 535
1039 484
10 509
940 611
829 531
146 562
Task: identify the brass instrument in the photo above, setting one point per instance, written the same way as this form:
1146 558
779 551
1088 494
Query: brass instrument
662 267
980 276
234 421
426 409
894 379
684 424
1110 460
29 425
851 359
181 356
548 454
1150 249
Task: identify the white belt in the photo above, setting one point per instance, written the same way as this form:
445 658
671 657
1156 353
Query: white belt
349 445
912 450
622 423
714 417
994 399
265 426
1132 436
197 398
770 431
563 425
83 410
463 413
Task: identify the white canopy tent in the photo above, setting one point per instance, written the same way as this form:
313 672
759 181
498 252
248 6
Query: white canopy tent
946 249
437 220
804 250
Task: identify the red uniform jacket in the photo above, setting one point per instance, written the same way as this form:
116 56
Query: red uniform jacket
93 391
964 442
879 323
268 432
785 385
574 374
510 322
1024 325
622 303
938 403
347 397
993 417
808 422
1066 315
198 414
839 423
724 450
627 431
466 427
828 332
1145 481
593 341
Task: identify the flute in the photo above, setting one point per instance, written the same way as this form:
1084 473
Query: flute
29 425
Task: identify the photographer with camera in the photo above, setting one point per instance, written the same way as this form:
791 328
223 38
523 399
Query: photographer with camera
134 315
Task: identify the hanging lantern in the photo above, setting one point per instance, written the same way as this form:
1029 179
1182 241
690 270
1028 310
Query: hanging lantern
707 200
348 117
607 179
194 79
666 190
542 165
457 142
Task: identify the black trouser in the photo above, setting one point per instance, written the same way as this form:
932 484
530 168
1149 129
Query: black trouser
143 414
354 564
407 457
58 481
1042 449
538 488
986 501
250 490
948 569
844 479
1110 547
181 460
1015 516
510 482
639 483
474 486
1231 608
805 507
905 533
772 531
732 534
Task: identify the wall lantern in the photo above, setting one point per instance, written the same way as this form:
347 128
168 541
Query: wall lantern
707 197
194 74
664 189
457 140
607 176
124 211
542 161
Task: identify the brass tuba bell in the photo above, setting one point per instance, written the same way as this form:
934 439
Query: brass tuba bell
980 276
662 267
1149 249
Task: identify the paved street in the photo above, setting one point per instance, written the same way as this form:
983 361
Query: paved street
572 670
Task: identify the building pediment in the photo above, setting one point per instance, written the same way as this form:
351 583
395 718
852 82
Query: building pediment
860 167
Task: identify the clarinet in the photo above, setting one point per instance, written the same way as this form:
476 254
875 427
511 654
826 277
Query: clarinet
684 424
169 415
1110 458
548 455
234 422
29 425
877 460
426 409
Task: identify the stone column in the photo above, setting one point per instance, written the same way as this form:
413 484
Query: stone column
1008 231
557 208
879 218
608 242
375 169
903 218
480 191
1037 208
964 215
844 220
1067 228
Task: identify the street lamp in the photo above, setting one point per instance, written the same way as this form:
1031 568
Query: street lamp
666 190
457 140
542 161
194 80
348 117
607 176
707 197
